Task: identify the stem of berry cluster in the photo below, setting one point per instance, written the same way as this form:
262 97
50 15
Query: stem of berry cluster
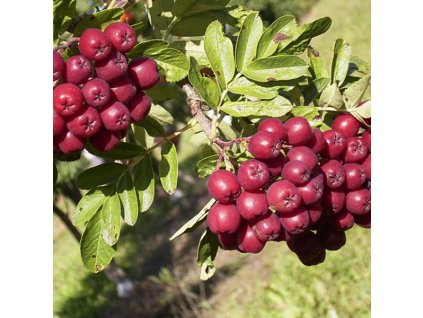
222 146
68 43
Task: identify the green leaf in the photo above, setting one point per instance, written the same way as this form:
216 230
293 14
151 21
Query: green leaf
276 107
142 137
150 47
206 166
55 173
364 110
124 150
206 253
168 167
314 89
317 63
182 7
110 214
63 12
244 86
276 68
98 20
193 49
358 67
98 175
205 87
144 183
173 62
195 222
128 198
248 39
340 62
279 34
354 93
304 35
139 26
161 115
163 91
331 97
89 205
219 50
152 126
95 253
309 112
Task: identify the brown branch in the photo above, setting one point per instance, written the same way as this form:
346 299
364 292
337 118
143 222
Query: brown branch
68 43
65 219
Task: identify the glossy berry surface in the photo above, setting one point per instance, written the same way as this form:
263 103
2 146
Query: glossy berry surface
274 126
106 140
223 218
69 143
317 143
297 172
223 186
355 150
123 89
343 220
253 175
335 144
58 123
264 145
303 154
112 67
367 167
283 196
115 116
248 241
67 99
267 227
315 212
334 173
354 176
364 220
297 221
312 191
143 72
121 35
298 131
78 69
346 124
59 66
252 205
333 200
275 165
367 139
139 106
86 123
94 45
97 93
358 201
228 241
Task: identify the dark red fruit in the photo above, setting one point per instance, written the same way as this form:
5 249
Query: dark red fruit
123 90
78 69
297 221
267 227
228 241
346 124
97 93
334 200
248 241
67 99
139 106
58 123
312 191
113 67
121 35
283 196
303 154
297 172
331 238
308 248
59 66
252 205
223 218
106 140
367 139
364 220
333 173
69 143
298 130
283 235
274 126
223 186
367 167
275 165
94 45
115 116
317 143
253 175
354 176
264 145
144 73
86 123
335 144
314 212
356 150
358 202
343 220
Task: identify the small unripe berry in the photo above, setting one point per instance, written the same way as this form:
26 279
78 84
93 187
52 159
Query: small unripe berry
223 186
346 124
253 175
223 218
274 126
298 130
283 196
264 145
94 45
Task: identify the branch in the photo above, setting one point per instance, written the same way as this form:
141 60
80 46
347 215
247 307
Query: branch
65 219
68 43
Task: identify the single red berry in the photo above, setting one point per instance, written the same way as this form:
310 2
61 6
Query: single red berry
252 205
364 220
223 186
308 248
312 191
267 227
331 239
115 116
86 123
274 126
303 154
343 220
297 221
144 72
355 151
283 196
367 167
94 45
367 139
78 69
298 130
333 200
335 144
106 140
97 93
123 89
228 241
139 106
112 67
275 165
58 123
346 124
253 175
264 145
317 143
283 235
354 176
121 35
334 173
223 218
297 172
315 212
59 66
67 99
358 201
69 143
248 241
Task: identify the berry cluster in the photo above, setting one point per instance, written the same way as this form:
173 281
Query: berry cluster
100 94
308 197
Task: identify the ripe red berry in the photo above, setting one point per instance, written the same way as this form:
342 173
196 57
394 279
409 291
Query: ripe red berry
144 73
364 220
121 35
106 140
331 238
298 130
358 202
315 212
264 145
297 172
335 144
94 45
115 116
58 123
303 154
67 99
354 176
86 123
123 89
297 221
355 150
275 165
333 200
267 227
223 186
367 167
252 205
112 67
317 143
78 69
248 241
139 106
59 66
334 173
253 175
308 248
312 191
69 143
346 124
97 93
283 235
283 196
367 139
223 218
274 126
228 241
343 220
127 17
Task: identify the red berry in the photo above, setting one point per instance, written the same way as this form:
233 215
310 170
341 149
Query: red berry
297 221
106 140
127 17
267 227
367 139
78 69
67 99
358 202
58 123
317 143
334 173
333 200
123 89
303 154
308 248
346 124
112 67
86 123
97 93
59 66
115 116
335 144
314 212
312 191
144 73
252 205
356 150
298 130
223 186
364 220
253 175
69 143
343 220
283 196
367 167
275 165
121 35
331 238
354 176
297 172
248 241
274 126
228 241
139 106
94 45
264 145
223 218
